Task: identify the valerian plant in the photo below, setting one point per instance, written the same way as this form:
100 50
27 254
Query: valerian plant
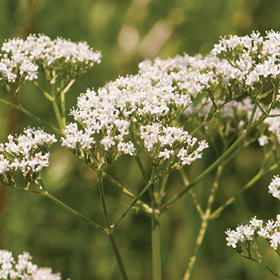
167 115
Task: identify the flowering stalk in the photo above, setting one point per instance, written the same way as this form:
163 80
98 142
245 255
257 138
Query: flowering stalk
261 263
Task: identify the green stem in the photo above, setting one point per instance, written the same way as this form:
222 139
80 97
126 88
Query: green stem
142 169
135 201
264 265
63 109
64 91
103 202
53 93
204 224
62 99
156 234
162 189
218 211
108 226
57 114
143 206
186 182
118 256
46 94
29 114
156 242
204 173
69 209
263 170
198 242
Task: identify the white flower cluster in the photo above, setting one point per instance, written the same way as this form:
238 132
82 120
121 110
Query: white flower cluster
253 57
186 72
224 81
21 59
23 268
273 126
234 61
243 233
128 104
274 187
28 153
171 143
256 228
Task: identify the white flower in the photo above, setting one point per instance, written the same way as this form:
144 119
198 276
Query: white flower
27 152
263 140
263 233
23 268
24 57
168 139
107 142
4 164
255 223
127 148
270 225
274 187
275 240
166 154
232 237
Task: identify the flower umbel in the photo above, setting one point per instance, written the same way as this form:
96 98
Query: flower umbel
28 153
116 120
22 59
23 268
256 228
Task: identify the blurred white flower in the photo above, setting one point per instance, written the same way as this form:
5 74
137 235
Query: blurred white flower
23 268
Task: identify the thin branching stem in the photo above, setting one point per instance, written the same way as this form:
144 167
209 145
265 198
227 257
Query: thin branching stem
150 183
143 206
108 226
156 242
29 114
62 99
264 265
41 190
204 224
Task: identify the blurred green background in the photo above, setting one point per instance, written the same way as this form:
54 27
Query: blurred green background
126 32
